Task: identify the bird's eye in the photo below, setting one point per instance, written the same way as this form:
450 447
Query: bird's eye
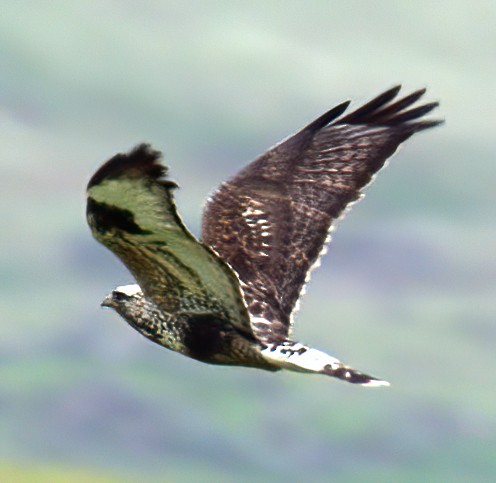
119 296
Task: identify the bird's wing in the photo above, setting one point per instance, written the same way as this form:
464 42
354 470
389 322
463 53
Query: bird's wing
131 211
271 221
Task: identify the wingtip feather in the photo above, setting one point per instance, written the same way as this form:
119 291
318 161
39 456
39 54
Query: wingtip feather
328 117
384 110
372 106
141 161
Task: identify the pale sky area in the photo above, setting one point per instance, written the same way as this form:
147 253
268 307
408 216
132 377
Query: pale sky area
406 291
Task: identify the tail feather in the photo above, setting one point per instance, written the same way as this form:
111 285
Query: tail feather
348 374
297 357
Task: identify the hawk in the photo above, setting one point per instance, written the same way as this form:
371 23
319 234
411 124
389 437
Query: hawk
230 298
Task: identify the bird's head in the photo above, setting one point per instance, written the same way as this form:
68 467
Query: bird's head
123 298
138 311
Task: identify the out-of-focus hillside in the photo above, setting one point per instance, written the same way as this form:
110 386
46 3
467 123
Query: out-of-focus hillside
406 291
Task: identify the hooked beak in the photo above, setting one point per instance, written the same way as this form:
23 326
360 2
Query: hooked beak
107 301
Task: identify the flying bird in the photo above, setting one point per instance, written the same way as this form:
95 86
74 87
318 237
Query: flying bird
230 298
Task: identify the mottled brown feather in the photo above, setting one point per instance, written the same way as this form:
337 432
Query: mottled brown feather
271 221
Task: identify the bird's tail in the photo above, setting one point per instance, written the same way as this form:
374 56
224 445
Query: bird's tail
295 356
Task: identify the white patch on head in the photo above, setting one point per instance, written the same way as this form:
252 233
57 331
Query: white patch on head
129 290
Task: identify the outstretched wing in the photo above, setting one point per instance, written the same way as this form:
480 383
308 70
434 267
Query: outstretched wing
131 211
271 221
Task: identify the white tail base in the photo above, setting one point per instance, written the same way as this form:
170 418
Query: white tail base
298 357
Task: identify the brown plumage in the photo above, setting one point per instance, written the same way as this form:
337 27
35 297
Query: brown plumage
230 299
271 221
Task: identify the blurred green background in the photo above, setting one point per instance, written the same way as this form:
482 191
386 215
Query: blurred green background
407 290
